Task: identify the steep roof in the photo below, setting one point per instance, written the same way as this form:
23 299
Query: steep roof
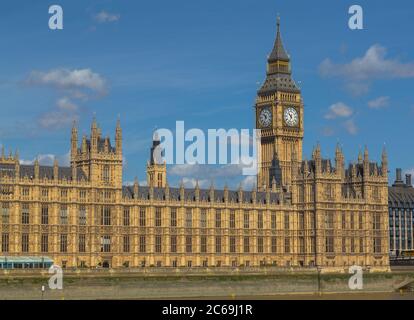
401 196
278 51
44 172
279 81
278 78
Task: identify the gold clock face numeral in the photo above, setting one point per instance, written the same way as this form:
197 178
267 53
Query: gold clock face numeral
265 117
291 117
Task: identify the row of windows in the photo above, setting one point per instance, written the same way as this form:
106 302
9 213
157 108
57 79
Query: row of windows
106 217
219 246
44 242
44 193
348 245
355 221
352 222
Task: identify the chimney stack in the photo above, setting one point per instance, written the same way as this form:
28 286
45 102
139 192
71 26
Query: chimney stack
398 179
408 180
398 175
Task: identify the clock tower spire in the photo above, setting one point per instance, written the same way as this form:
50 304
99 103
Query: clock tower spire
279 116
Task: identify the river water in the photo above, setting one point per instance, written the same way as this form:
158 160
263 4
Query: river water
327 296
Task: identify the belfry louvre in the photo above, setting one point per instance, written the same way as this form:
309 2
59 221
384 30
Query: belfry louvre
303 213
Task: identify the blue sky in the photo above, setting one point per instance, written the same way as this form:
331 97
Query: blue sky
153 63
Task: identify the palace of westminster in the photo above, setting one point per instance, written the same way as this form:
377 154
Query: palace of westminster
303 213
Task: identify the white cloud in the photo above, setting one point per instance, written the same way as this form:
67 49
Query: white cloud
230 174
69 80
373 65
378 103
76 84
105 17
131 183
205 171
191 183
249 182
65 104
48 160
351 127
358 88
62 116
338 110
56 119
362 70
328 131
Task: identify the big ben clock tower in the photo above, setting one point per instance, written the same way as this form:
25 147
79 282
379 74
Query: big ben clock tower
279 115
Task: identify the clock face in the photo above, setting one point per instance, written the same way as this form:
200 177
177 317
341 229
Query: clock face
265 117
291 117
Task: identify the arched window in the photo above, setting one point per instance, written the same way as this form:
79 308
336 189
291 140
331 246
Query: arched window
105 173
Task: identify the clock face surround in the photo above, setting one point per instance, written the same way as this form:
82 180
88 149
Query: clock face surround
290 116
265 117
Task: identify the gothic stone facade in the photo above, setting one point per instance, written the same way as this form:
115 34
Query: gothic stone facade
401 217
303 213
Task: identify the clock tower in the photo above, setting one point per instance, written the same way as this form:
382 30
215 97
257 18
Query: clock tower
279 116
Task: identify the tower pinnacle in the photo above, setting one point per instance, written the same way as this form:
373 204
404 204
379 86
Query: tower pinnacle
278 53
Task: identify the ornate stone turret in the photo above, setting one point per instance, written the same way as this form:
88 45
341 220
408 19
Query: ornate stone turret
74 173
339 161
94 136
384 162
96 157
106 144
74 142
167 191
318 159
182 191
136 188
55 169
197 191
274 185
211 191
151 192
254 194
226 193
240 192
359 157
17 164
268 196
156 167
366 163
118 137
353 171
84 145
36 169
305 167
